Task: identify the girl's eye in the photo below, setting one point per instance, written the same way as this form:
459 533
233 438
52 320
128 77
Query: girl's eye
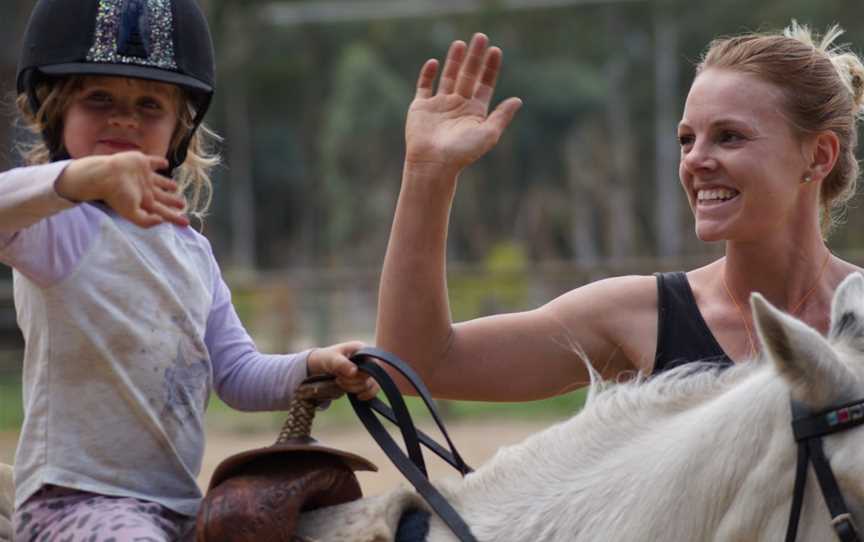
98 98
153 107
150 104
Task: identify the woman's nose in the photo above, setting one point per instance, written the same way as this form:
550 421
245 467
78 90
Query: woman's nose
698 157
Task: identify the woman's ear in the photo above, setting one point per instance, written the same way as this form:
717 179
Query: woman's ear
823 156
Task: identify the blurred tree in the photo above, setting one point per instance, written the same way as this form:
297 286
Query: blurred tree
313 114
361 152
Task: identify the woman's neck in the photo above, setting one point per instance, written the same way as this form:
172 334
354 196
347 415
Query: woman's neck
792 275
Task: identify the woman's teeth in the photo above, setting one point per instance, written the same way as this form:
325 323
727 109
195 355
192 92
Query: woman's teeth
717 194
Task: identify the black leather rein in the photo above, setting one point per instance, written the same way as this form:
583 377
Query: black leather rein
411 466
809 429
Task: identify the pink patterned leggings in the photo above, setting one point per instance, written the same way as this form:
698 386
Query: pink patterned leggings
58 514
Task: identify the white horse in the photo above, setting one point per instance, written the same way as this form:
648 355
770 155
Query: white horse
686 456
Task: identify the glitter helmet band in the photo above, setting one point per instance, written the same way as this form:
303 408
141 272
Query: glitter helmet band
159 40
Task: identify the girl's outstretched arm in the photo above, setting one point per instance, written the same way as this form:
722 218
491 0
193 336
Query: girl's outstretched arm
129 183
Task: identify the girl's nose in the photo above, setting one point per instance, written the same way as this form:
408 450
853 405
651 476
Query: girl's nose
124 116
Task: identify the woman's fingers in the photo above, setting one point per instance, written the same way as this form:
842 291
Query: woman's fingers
427 79
489 78
467 79
455 56
503 114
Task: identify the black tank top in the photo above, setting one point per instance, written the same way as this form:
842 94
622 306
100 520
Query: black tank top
682 334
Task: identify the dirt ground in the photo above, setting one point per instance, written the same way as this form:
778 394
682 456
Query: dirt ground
476 440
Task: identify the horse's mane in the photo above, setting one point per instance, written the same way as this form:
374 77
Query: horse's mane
672 391
616 413
599 451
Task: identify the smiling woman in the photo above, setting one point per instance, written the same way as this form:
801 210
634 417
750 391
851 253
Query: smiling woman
767 136
737 154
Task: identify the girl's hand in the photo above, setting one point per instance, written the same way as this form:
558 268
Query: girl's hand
451 127
334 360
127 182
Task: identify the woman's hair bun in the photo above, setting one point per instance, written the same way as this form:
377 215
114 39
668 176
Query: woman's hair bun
848 64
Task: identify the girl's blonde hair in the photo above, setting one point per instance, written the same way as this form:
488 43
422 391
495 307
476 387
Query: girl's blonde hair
823 87
192 176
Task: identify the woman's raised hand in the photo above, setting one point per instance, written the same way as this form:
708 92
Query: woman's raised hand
452 127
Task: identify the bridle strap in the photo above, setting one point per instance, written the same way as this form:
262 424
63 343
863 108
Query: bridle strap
411 465
809 429
841 519
798 493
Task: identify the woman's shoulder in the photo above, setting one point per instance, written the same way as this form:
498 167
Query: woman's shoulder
627 289
846 268
631 295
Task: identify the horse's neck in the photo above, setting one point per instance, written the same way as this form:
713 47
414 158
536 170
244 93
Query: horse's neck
685 468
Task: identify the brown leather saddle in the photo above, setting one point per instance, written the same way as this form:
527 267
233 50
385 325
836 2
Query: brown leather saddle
259 494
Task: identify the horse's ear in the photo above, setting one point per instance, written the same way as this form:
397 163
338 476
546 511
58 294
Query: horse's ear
847 312
815 374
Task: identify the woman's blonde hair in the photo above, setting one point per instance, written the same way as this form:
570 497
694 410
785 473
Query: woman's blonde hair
192 176
823 86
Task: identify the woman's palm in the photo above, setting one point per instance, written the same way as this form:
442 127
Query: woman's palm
452 126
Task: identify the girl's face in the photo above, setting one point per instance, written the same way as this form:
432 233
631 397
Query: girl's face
741 163
115 114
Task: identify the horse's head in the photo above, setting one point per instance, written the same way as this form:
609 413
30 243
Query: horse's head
824 374
821 372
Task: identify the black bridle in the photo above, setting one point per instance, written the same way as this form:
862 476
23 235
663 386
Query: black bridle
809 429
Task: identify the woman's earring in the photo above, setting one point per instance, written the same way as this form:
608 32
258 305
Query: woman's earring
807 178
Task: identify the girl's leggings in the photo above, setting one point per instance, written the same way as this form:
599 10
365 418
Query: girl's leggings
57 514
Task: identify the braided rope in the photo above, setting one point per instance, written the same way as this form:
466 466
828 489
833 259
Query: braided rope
301 410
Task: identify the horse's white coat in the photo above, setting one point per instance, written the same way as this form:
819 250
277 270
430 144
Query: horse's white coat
687 456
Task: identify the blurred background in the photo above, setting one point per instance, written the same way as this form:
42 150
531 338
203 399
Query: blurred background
311 100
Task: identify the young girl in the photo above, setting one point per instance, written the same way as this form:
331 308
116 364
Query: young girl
128 323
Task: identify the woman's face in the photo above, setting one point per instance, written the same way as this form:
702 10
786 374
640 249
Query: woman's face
741 163
115 114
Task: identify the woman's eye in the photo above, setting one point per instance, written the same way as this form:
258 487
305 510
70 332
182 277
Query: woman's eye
730 137
685 140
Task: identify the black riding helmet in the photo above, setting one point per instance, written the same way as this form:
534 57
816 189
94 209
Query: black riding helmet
159 40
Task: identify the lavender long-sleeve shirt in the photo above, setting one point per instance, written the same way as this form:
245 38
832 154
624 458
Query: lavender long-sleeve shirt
127 331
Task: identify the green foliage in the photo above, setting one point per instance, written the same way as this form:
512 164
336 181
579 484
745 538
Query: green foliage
500 286
363 119
11 405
